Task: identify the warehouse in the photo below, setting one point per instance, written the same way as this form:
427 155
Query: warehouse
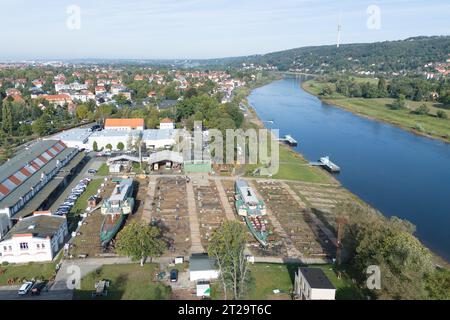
74 138
159 138
22 177
114 137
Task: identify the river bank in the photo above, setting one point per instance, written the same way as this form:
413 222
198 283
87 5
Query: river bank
378 110
386 196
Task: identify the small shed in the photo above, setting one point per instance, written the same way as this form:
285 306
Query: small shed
92 202
202 268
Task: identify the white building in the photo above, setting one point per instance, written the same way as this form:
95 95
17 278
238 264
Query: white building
202 268
159 138
313 284
114 137
73 138
166 123
35 238
71 86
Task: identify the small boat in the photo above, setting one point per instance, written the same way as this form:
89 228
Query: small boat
116 209
330 166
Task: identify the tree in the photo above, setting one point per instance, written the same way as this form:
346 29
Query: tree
438 284
109 146
140 241
371 239
7 118
40 126
442 114
382 87
82 111
95 146
120 146
400 103
227 248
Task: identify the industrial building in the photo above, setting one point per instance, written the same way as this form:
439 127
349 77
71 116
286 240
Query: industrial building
28 179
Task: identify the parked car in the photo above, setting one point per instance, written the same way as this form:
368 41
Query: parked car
92 171
38 287
173 275
25 288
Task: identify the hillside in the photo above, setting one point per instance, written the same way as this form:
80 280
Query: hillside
389 56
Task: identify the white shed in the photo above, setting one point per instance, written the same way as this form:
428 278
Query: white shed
202 268
313 284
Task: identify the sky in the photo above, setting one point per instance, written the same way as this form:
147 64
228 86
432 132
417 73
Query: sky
197 29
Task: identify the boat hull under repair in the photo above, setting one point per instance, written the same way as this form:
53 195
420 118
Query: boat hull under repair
116 210
252 210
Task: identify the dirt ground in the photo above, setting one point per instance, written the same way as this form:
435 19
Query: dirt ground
170 213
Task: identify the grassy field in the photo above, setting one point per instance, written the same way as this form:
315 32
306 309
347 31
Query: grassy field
269 277
26 272
294 167
81 203
379 109
128 282
103 170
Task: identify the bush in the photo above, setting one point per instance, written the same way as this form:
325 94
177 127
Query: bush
422 110
417 127
5 263
442 114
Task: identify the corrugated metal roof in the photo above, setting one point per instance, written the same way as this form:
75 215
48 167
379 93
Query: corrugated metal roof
14 195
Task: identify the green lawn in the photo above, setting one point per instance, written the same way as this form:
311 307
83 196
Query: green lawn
81 203
128 282
26 272
267 277
103 170
294 167
379 109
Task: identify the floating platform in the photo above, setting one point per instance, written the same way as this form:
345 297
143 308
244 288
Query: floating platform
289 140
326 163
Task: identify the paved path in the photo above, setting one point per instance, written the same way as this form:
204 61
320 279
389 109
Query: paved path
223 198
292 251
147 212
196 243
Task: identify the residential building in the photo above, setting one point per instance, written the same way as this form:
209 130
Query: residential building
125 124
166 123
34 239
57 99
313 284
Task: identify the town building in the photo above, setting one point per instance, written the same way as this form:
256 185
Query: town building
125 124
34 239
57 99
26 174
313 284
166 123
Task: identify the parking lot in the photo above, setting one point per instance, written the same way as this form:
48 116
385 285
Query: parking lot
93 163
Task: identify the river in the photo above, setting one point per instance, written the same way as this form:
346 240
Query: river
395 171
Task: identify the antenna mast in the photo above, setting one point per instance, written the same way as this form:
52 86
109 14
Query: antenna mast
339 30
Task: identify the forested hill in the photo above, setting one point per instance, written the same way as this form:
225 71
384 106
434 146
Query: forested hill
390 56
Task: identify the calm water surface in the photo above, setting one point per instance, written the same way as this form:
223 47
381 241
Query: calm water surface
395 171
